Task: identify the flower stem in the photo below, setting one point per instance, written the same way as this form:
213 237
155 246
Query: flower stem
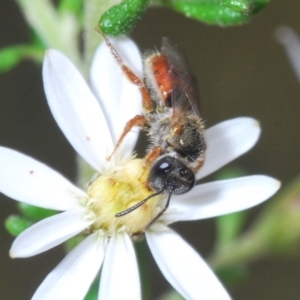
59 31
247 248
93 10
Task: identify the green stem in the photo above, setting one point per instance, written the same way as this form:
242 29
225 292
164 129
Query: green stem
247 248
56 31
93 10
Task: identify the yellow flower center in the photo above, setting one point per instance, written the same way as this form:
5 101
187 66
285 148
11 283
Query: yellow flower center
118 190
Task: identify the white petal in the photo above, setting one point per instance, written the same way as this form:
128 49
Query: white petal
291 43
120 275
221 197
118 97
25 179
75 109
49 233
182 266
226 141
72 278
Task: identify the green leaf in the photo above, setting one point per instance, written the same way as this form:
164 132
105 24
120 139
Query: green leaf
34 212
218 12
16 224
11 56
238 5
121 18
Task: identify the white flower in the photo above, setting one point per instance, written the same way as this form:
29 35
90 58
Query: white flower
291 43
92 122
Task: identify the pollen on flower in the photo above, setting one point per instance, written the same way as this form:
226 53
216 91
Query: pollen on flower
117 190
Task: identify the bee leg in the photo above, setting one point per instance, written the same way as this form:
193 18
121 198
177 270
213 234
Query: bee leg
147 102
146 99
135 121
199 163
152 155
150 158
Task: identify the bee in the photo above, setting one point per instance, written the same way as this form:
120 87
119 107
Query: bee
172 121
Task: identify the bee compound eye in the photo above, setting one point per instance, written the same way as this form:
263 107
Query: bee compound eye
186 180
187 175
170 174
163 167
159 173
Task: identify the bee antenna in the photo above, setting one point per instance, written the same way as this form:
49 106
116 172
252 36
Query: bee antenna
161 212
132 208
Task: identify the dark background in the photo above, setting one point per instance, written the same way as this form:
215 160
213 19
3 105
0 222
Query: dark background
240 71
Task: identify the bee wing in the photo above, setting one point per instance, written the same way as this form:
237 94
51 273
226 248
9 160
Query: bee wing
183 94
